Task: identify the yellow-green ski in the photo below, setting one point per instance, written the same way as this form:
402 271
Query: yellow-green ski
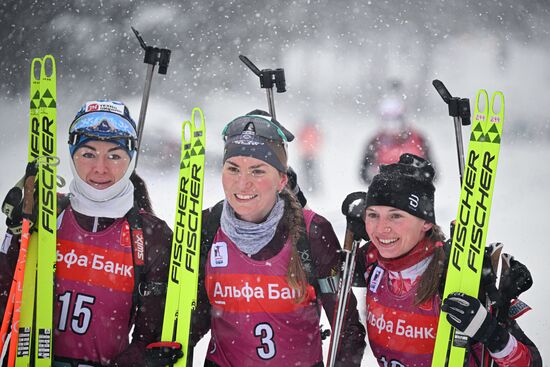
46 215
472 222
27 307
170 322
181 298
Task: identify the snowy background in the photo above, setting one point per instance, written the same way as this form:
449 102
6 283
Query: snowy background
338 60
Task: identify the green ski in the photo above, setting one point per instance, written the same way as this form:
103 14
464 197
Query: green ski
181 295
472 222
27 307
47 216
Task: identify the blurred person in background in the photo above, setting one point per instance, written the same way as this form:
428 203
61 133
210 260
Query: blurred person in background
394 137
310 141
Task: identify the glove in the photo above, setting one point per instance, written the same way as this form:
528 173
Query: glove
294 187
12 206
515 280
162 354
468 315
353 208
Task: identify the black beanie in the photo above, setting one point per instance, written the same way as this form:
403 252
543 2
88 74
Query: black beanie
406 185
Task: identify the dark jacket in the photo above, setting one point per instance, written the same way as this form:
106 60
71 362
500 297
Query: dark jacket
148 317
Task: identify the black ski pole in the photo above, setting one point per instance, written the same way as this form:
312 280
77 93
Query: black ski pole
153 56
459 110
351 244
268 78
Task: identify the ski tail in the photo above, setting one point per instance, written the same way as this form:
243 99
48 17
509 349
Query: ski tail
472 222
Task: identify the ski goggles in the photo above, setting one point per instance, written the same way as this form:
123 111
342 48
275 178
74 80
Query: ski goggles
259 126
103 125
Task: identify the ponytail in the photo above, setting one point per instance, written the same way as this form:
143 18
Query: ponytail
293 220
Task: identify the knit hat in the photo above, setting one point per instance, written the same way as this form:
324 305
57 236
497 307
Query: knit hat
257 135
406 185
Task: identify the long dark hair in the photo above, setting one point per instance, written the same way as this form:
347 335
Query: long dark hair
142 199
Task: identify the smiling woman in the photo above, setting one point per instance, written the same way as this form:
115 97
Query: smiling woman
403 265
267 264
251 187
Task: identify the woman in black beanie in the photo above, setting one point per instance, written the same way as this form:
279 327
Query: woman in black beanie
405 261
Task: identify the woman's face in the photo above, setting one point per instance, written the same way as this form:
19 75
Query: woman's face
394 232
251 187
101 163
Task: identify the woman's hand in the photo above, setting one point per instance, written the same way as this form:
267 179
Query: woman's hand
466 313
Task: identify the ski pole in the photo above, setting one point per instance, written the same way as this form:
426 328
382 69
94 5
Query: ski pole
459 110
153 55
13 308
348 268
351 244
268 78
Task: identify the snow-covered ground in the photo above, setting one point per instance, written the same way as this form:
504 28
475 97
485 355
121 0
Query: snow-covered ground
518 216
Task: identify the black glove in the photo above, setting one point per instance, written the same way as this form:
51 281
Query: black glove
515 280
162 354
12 206
294 187
468 315
353 207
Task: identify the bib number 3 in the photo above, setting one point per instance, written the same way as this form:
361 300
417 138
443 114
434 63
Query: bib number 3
267 349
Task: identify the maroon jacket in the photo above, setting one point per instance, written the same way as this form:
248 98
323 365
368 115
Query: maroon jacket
148 318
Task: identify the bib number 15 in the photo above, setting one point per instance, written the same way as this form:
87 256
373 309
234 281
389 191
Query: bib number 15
81 314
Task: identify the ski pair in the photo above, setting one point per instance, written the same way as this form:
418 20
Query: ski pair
30 302
181 297
472 221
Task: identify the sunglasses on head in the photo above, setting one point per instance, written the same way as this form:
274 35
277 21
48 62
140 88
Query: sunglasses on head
261 126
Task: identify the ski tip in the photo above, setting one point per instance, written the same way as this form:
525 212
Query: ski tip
200 125
497 103
482 101
48 67
186 132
